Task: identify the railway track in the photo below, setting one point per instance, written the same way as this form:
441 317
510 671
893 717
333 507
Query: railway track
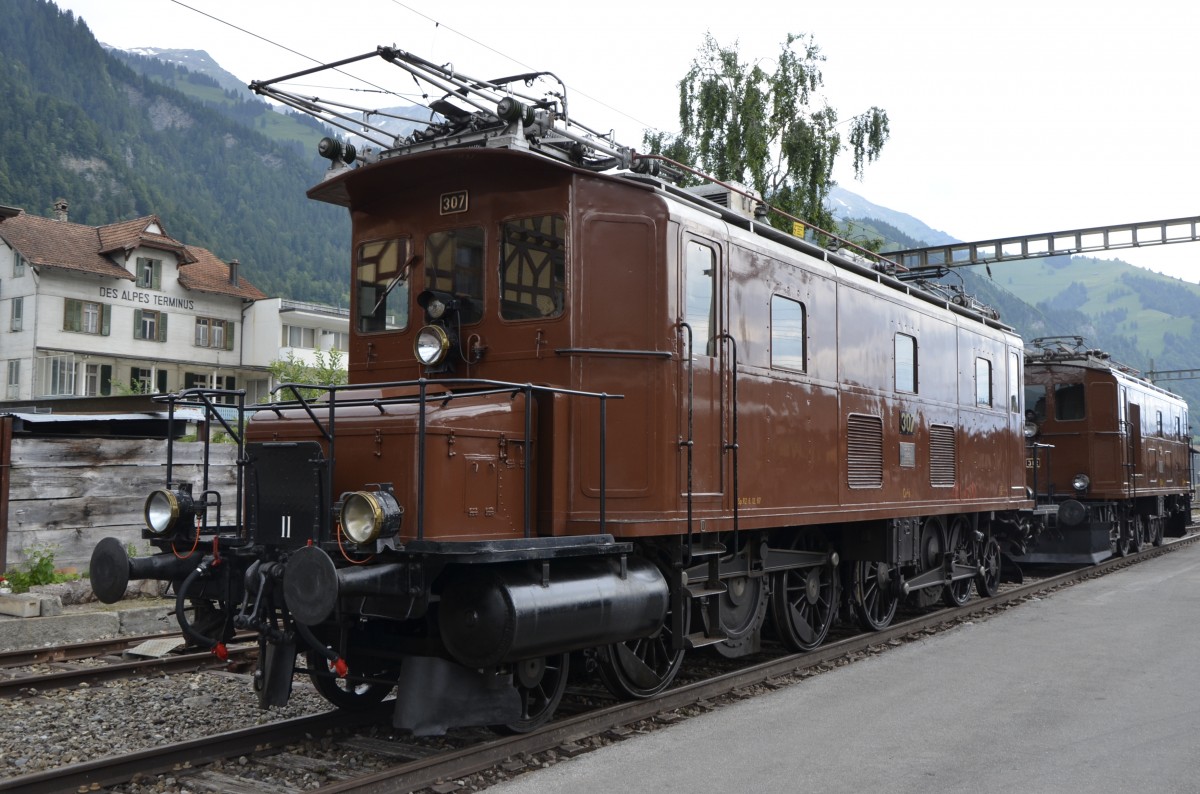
97 661
402 765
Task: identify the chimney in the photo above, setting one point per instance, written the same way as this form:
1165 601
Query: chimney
60 209
233 272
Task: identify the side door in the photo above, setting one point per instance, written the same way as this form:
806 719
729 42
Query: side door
1133 467
702 376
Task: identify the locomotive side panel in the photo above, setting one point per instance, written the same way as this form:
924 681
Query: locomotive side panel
898 405
782 314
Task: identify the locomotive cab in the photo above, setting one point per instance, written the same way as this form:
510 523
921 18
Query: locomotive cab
1107 449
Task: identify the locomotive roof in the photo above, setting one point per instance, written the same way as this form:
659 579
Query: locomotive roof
502 114
1073 352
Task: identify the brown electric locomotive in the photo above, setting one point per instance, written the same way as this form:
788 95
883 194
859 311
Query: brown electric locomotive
589 411
1108 455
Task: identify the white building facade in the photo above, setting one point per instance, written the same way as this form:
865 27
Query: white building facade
125 308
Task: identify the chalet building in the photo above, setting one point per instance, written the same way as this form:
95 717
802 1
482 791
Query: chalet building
92 311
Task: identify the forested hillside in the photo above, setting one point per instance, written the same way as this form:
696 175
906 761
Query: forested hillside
77 122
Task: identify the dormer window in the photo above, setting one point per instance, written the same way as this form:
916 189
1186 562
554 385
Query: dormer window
149 273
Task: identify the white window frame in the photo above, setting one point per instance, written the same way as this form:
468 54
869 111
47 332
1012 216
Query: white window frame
13 379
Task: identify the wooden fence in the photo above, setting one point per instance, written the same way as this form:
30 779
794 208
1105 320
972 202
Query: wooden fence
65 494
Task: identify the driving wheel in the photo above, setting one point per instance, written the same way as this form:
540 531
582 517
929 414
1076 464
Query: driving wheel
804 599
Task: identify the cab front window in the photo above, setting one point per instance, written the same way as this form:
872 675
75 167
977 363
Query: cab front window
381 285
454 265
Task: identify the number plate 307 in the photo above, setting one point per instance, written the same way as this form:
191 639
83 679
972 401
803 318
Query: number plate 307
450 203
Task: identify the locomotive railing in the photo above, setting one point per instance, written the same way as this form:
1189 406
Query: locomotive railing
334 397
205 399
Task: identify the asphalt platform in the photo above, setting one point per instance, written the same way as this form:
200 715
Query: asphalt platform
1091 689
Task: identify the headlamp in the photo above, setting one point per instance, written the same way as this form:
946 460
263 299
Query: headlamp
369 515
431 345
165 508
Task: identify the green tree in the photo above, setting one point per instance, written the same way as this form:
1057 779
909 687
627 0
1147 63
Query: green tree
771 130
326 371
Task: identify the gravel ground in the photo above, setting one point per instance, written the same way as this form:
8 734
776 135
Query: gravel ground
44 730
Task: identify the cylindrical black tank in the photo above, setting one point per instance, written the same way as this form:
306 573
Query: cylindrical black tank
504 613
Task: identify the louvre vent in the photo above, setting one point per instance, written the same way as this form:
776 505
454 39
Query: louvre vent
941 456
731 199
864 451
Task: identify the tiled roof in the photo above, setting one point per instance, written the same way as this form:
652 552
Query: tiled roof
127 235
50 243
207 273
72 246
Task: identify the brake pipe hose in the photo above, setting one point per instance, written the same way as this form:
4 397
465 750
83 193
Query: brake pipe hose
193 636
336 663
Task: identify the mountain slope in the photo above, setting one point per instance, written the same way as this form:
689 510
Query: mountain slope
78 123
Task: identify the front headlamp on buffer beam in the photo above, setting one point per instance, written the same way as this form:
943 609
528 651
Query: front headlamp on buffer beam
1081 482
167 509
367 516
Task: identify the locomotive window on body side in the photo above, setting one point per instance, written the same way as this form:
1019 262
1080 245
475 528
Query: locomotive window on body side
1068 402
701 296
381 282
983 383
533 256
454 264
906 363
787 334
1014 382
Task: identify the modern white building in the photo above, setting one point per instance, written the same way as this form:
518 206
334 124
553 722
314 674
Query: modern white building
90 311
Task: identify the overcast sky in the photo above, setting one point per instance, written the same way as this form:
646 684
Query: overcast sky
1007 118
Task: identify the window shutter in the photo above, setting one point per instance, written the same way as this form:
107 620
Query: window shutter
133 380
229 326
106 379
105 319
157 277
72 315
137 324
162 381
162 327
230 383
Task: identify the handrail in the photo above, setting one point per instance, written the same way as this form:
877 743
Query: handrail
204 396
690 441
342 397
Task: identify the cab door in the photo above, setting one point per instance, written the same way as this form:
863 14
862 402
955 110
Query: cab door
702 376
1132 466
